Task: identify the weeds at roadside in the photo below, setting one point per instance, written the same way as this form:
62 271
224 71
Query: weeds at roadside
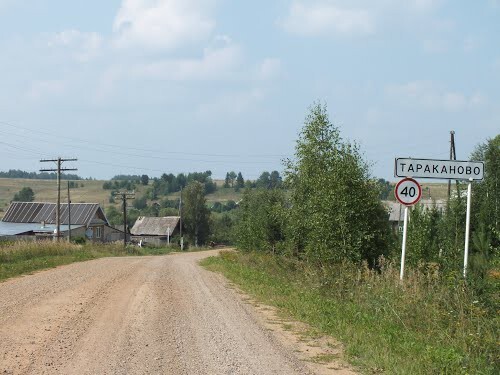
429 324
19 258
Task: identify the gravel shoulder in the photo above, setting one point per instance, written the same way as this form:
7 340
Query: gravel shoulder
146 315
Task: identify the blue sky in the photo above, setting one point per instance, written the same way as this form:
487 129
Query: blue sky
153 86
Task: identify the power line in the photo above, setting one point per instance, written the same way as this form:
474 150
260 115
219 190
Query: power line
142 149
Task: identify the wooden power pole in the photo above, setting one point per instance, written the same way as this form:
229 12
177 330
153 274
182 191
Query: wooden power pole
453 156
58 170
69 215
124 196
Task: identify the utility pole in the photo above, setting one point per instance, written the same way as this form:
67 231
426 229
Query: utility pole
180 222
453 156
124 196
58 170
69 216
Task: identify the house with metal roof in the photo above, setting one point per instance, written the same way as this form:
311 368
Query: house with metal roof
33 220
155 230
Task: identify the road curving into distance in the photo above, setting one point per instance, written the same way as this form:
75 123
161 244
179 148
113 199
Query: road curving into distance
136 315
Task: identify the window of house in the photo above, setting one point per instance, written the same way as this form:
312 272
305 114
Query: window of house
97 232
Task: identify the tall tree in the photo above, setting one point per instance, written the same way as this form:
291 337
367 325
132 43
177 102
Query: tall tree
195 213
264 181
486 198
335 210
232 177
227 181
144 179
275 180
240 181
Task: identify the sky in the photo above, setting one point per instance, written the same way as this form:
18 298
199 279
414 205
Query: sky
171 86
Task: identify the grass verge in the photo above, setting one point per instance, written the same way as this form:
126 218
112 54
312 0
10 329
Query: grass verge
428 325
18 258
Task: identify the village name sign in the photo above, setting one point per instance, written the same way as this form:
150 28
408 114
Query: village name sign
408 190
441 169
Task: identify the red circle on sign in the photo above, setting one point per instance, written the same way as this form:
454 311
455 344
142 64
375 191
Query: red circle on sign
410 193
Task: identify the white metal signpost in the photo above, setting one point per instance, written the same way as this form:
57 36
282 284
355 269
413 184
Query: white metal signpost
439 169
408 192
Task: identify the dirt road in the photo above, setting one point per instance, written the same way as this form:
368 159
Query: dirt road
147 315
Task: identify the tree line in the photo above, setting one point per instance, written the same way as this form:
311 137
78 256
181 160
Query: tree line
16 173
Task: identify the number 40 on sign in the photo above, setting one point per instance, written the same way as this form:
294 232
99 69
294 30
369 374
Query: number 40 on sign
408 191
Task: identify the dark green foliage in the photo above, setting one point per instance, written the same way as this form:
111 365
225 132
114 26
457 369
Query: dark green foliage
144 179
486 194
168 183
269 180
240 181
127 177
16 173
221 227
195 213
260 221
335 212
227 181
26 194
385 189
140 203
264 181
119 184
223 207
114 216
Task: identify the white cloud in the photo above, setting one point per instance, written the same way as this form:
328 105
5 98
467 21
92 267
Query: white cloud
363 17
81 45
326 18
216 63
429 95
162 24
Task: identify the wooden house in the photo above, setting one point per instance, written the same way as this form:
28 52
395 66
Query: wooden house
155 230
35 220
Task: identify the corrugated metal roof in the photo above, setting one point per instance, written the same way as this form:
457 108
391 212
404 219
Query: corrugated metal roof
13 229
35 212
154 226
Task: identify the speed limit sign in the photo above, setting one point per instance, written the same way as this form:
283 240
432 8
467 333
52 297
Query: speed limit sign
408 191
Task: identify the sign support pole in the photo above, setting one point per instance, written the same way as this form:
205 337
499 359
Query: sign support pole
467 226
403 250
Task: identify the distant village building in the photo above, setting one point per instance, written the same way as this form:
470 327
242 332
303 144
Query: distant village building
33 220
157 231
396 210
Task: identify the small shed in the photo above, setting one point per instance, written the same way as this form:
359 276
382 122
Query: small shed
155 230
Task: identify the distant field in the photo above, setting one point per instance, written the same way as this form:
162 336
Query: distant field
46 191
92 192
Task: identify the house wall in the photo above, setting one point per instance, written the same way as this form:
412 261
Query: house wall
112 235
151 240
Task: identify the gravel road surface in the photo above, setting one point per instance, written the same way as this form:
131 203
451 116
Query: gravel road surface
144 315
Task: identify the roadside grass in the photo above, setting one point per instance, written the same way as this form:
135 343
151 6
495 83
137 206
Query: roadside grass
19 258
427 325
